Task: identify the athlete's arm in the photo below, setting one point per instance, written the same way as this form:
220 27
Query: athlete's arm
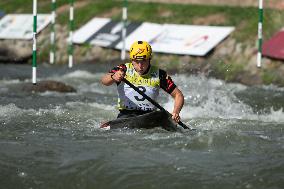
178 104
167 84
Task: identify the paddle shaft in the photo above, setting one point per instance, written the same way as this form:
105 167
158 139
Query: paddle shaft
152 101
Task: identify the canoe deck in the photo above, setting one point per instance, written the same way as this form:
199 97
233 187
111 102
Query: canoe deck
147 121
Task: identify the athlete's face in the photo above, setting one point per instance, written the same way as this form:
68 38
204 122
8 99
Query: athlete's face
141 66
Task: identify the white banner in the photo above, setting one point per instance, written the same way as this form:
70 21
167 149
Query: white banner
145 32
187 39
20 26
93 26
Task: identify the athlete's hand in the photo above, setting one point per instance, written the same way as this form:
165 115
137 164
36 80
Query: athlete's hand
120 73
175 117
118 76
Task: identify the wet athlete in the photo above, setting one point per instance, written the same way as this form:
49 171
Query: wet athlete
148 78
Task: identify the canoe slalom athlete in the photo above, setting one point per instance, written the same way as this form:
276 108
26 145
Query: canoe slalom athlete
147 78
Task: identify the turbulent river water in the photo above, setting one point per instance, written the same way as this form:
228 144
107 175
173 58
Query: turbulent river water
53 140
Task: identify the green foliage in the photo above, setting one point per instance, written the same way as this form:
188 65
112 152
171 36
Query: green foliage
85 13
26 6
271 77
168 62
227 71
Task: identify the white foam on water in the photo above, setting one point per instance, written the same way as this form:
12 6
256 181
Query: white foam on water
54 93
80 74
93 114
10 110
93 104
85 82
75 78
162 136
96 88
12 81
273 88
76 115
273 116
217 100
102 106
57 111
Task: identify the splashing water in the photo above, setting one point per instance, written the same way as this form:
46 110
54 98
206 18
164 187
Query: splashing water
53 140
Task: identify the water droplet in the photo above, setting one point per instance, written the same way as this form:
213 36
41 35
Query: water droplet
22 174
248 186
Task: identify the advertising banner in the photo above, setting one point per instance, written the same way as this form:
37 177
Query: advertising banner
84 33
164 38
145 32
189 40
20 26
102 32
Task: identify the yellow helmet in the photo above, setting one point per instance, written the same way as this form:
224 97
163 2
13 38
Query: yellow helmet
140 50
